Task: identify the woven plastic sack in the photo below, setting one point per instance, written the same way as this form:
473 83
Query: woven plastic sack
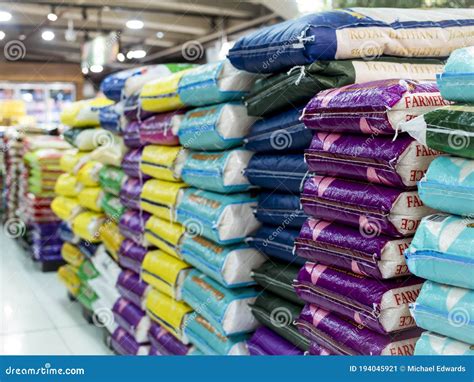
112 207
446 310
400 163
132 109
165 343
132 288
124 343
266 342
87 139
132 225
226 309
67 185
108 269
87 226
131 164
165 235
447 129
280 209
131 134
229 265
70 160
449 186
366 252
342 336
161 129
441 250
216 127
167 312
130 193
214 83
163 162
381 306
217 171
88 174
160 198
377 107
72 255
66 208
225 219
343 34
297 86
132 319
131 255
456 83
111 152
111 236
369 207
67 274
112 118
111 179
91 198
436 344
162 94
83 113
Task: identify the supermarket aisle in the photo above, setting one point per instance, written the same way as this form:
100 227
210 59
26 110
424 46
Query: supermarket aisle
36 316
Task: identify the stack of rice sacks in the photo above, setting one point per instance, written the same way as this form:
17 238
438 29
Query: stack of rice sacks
122 181
41 170
201 210
12 154
79 204
361 194
442 249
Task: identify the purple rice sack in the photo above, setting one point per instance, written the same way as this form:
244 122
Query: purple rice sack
373 255
400 163
161 129
381 306
130 193
133 319
342 336
376 107
132 109
123 343
266 342
131 255
131 164
317 349
165 342
369 207
131 134
132 226
132 288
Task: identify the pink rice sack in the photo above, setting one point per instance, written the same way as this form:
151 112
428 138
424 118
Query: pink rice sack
375 107
161 129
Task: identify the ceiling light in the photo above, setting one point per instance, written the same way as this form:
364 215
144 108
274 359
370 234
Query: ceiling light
160 34
134 24
5 16
85 70
47 35
139 53
97 68
121 57
2 35
52 16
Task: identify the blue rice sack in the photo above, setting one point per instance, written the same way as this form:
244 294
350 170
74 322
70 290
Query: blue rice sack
280 209
217 127
225 309
446 310
209 340
435 344
456 83
217 171
214 83
112 118
277 243
443 250
224 219
449 185
285 173
281 133
343 34
229 265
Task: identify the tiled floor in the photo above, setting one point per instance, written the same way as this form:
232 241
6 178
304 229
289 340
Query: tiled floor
36 316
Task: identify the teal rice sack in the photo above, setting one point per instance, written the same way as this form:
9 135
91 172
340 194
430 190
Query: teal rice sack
216 127
217 171
445 309
230 265
210 341
227 310
435 344
214 83
224 219
443 250
448 186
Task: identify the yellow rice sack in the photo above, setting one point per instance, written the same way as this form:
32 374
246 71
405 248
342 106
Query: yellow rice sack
70 160
112 238
88 174
68 275
164 272
163 162
84 113
91 198
87 226
164 235
66 208
67 185
72 255
160 198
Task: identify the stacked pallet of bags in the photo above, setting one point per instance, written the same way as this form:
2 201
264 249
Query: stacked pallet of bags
199 272
442 249
12 155
361 194
122 182
89 270
41 169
